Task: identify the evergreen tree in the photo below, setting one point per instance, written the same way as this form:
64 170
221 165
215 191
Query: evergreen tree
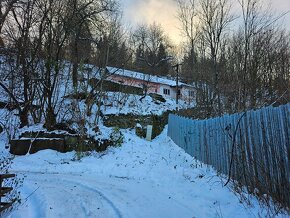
164 66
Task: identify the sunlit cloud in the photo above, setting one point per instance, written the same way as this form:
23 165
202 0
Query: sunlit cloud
164 12
148 11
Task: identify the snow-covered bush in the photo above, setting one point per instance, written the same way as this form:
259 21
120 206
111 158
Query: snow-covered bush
117 137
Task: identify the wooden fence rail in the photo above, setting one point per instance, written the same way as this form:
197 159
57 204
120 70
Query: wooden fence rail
254 146
4 191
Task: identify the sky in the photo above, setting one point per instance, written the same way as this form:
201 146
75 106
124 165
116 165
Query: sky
164 12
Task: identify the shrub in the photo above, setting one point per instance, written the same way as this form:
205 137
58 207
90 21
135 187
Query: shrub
117 137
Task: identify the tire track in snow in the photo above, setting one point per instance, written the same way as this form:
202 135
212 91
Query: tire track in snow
32 201
107 200
70 182
39 202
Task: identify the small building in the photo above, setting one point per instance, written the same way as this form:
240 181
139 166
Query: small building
151 84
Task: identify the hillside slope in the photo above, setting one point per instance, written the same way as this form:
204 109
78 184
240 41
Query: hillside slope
138 179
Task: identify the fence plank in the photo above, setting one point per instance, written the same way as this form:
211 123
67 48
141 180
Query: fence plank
261 151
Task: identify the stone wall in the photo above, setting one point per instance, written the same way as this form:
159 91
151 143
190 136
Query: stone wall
131 121
32 142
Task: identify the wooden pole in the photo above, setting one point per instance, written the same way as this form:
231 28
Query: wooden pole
177 80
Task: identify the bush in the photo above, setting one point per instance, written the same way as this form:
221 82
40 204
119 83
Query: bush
117 137
157 97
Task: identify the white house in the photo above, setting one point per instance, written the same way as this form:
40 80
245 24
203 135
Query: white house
154 84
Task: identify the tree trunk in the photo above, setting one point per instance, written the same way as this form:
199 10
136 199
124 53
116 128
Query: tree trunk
50 119
75 75
23 116
75 62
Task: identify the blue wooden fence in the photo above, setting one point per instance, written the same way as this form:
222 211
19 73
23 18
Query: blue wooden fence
258 142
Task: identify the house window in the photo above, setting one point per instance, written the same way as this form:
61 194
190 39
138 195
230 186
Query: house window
178 92
191 93
166 91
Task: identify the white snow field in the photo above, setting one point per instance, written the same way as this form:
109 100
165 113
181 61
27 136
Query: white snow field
139 179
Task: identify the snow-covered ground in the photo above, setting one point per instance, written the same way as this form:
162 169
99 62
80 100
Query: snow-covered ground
120 103
138 179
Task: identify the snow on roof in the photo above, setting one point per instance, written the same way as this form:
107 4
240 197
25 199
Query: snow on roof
142 76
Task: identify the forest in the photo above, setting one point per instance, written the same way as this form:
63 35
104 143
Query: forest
235 61
61 117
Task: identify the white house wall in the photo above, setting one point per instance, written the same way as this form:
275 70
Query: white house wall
153 86
185 94
172 91
184 90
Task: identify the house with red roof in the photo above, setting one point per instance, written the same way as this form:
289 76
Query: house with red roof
152 84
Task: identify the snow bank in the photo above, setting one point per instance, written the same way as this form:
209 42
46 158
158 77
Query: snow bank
138 179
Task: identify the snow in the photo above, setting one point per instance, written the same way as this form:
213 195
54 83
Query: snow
120 103
138 179
142 76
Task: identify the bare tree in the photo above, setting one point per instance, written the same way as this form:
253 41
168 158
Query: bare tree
254 62
188 17
84 15
152 47
6 6
24 30
256 22
215 17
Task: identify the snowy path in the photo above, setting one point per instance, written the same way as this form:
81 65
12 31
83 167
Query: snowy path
67 196
140 179
64 195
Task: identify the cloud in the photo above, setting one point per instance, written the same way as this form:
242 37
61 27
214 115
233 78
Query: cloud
164 12
280 7
148 11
